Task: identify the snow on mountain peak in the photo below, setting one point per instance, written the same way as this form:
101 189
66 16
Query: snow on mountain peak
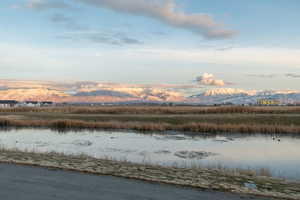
229 91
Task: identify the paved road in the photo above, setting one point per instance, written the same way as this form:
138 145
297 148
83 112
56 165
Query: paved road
32 183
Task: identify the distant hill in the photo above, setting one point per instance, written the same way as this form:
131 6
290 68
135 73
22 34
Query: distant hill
238 96
92 92
96 92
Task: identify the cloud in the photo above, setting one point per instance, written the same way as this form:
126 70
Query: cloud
209 80
167 11
236 56
262 75
68 22
95 85
291 75
127 40
41 5
224 48
110 38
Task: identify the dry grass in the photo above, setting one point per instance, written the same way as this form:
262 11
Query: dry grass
219 168
144 126
239 171
158 109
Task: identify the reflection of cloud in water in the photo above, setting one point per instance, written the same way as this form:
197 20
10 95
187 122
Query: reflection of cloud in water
172 137
84 143
194 154
223 139
118 150
41 144
144 153
163 152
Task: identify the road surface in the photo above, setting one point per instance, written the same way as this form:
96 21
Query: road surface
33 183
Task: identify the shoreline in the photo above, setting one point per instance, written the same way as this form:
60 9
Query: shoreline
211 179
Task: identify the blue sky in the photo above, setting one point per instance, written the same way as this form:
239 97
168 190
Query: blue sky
257 42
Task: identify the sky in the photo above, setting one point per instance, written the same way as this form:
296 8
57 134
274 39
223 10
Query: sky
212 43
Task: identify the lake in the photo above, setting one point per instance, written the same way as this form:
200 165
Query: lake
278 154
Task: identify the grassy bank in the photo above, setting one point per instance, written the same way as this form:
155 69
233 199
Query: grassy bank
194 177
143 126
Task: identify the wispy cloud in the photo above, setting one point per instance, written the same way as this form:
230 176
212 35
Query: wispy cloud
111 38
236 56
41 5
262 75
224 48
209 80
67 22
292 75
168 12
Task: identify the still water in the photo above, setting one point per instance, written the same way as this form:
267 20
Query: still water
280 155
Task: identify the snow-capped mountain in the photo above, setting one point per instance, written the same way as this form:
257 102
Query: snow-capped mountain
91 92
95 92
239 96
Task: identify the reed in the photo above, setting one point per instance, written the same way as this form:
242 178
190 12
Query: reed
157 109
151 127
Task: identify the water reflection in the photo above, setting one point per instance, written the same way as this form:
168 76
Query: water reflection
278 153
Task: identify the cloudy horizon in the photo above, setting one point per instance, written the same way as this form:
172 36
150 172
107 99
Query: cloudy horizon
190 44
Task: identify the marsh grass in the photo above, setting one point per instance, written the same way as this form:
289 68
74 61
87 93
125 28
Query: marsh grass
62 125
157 109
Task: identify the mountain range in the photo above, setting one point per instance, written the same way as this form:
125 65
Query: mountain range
95 92
239 96
85 92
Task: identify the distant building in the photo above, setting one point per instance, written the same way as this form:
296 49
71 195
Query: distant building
32 103
8 103
46 103
35 103
268 102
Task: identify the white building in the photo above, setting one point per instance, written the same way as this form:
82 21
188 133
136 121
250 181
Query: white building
8 103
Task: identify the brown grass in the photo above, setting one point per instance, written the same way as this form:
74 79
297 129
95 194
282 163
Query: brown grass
240 171
158 109
144 126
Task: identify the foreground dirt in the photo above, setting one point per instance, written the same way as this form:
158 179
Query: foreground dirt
198 178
